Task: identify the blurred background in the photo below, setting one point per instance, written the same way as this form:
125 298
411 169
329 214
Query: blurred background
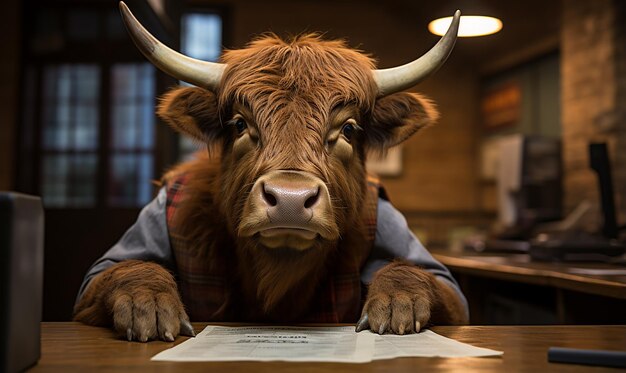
510 154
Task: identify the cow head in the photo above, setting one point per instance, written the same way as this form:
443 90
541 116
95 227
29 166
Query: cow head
293 121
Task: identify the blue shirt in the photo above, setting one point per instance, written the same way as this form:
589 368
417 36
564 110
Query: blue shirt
148 240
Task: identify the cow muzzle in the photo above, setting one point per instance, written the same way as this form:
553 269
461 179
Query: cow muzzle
288 209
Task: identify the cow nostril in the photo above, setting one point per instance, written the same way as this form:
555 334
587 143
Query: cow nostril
312 200
269 197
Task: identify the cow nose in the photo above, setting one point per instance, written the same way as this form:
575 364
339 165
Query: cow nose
287 208
290 198
290 201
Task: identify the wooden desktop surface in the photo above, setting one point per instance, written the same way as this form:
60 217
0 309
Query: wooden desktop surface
520 268
73 347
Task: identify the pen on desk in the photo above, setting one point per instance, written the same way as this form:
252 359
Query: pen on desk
587 357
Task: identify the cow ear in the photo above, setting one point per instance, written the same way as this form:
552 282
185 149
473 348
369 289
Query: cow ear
396 117
192 111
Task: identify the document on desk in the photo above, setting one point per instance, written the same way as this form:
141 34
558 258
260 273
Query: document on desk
321 344
425 344
269 343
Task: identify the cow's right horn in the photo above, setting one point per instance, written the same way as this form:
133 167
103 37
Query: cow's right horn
398 78
200 73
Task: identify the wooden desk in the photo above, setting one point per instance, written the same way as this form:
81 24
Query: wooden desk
573 293
73 347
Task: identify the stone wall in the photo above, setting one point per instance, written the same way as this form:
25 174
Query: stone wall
593 87
592 98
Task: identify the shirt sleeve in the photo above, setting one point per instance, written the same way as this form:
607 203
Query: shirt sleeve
394 240
146 240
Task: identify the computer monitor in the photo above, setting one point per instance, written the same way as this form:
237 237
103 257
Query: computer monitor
599 161
529 181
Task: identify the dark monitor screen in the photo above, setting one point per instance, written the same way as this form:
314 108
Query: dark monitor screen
529 180
541 191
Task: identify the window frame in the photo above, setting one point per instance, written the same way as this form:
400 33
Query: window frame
30 147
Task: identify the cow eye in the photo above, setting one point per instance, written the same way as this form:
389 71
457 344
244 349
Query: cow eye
240 125
348 131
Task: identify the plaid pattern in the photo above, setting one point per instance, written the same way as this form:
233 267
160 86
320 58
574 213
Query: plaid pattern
204 286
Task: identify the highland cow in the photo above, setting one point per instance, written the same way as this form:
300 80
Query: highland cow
278 220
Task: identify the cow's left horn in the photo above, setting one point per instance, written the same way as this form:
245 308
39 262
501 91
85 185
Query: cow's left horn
200 73
398 78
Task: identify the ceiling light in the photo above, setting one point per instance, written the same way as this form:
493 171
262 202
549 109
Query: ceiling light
469 26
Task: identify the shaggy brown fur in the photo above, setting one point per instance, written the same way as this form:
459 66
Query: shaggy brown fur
294 97
402 295
125 291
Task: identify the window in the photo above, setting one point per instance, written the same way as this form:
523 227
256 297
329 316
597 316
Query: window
201 38
89 111
70 134
132 134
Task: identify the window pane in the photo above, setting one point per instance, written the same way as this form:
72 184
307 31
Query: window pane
71 115
83 180
123 135
202 36
145 179
133 106
70 134
85 132
146 81
69 180
145 117
86 79
146 121
132 136
55 170
122 186
131 176
124 81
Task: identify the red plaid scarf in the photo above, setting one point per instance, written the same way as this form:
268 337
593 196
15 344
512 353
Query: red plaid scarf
203 285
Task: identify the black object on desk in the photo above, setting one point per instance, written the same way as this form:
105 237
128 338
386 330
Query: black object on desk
601 164
483 245
21 280
574 246
579 245
587 357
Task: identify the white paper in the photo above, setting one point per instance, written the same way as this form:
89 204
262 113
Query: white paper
259 343
328 344
425 344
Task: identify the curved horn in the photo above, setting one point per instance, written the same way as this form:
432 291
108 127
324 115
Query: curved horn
200 73
398 78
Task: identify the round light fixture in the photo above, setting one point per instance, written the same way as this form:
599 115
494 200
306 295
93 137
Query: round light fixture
469 26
